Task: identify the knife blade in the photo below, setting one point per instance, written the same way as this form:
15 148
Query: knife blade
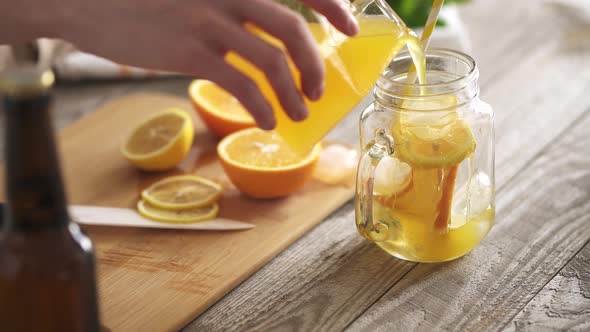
122 217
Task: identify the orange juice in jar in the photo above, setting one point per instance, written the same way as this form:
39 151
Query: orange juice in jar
425 184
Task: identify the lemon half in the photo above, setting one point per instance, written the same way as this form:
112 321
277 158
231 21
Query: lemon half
160 142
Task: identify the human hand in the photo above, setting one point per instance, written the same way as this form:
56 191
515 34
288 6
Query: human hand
193 36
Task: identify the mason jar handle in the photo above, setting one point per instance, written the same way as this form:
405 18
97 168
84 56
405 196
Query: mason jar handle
381 146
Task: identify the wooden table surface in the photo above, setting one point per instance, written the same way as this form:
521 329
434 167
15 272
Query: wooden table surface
531 273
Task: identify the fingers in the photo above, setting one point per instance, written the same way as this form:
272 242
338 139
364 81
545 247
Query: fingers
247 92
337 12
292 30
226 32
226 35
207 64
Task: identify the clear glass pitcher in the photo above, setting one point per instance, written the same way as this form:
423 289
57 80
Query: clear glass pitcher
425 182
353 65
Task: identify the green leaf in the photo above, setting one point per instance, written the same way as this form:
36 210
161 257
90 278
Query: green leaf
415 12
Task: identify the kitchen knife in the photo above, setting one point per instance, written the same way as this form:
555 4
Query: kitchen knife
121 217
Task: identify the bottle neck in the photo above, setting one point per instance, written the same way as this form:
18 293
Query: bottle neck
35 197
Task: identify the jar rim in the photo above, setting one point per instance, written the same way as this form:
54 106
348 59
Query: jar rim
436 51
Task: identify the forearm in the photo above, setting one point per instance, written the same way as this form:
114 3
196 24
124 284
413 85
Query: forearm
25 20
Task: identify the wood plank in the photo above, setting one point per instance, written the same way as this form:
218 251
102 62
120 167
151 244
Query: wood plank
530 116
536 89
504 31
543 221
563 304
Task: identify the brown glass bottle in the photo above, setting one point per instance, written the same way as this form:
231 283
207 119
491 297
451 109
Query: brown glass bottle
47 274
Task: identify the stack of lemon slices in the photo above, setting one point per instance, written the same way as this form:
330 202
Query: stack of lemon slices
181 199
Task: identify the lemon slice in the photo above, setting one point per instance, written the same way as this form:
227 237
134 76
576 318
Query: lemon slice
392 176
178 216
449 146
160 142
432 134
182 192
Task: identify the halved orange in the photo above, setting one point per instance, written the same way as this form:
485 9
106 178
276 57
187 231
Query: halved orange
222 113
262 165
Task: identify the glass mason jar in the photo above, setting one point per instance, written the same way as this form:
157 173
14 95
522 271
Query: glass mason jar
425 182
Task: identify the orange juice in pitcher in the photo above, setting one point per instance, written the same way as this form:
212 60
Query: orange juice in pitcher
353 65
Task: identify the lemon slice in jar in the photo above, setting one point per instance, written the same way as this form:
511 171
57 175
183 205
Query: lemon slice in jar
429 133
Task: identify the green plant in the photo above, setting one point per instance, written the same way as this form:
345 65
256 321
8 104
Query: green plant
415 12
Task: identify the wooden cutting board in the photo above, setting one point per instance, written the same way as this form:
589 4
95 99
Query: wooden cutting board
154 280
